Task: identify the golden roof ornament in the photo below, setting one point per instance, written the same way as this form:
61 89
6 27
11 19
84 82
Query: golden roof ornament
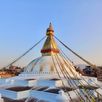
50 46
50 30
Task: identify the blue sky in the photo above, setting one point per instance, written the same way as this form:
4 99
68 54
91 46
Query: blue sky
78 23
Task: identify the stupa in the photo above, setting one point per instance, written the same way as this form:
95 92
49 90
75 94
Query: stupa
50 78
44 66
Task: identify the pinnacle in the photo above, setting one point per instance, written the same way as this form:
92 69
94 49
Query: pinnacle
50 28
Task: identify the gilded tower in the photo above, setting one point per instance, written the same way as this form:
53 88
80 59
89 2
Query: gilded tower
50 46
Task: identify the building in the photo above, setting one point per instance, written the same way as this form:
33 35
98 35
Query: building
99 73
15 70
6 74
50 78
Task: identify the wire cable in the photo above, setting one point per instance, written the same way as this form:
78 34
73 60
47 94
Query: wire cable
24 53
93 66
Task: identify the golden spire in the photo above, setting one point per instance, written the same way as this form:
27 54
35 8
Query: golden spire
50 46
50 30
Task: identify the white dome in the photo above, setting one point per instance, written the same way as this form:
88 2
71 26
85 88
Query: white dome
49 65
40 65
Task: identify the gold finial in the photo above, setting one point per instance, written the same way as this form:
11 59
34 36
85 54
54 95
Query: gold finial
50 46
50 30
50 26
